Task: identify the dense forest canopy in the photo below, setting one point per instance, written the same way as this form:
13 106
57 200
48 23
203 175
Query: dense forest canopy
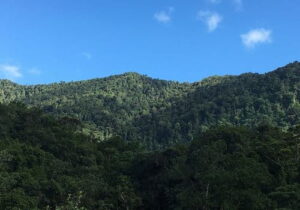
160 113
228 143
47 163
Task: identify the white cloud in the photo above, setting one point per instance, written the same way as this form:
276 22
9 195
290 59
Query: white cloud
256 36
10 72
211 19
34 71
164 16
87 55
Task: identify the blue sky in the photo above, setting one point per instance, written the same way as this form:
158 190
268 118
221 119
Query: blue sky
44 41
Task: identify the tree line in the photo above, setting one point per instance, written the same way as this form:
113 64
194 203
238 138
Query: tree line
160 113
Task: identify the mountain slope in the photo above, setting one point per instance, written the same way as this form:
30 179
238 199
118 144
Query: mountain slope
109 104
46 164
161 112
248 99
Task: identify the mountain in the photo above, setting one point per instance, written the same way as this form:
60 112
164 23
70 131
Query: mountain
245 100
159 113
55 161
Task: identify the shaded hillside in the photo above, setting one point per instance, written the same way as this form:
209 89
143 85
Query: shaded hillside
46 164
44 160
161 112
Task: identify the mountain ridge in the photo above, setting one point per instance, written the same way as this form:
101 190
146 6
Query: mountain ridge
160 112
147 76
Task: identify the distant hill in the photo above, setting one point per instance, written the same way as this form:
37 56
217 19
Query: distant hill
159 112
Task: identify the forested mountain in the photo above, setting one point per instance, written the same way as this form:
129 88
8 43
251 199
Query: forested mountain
227 143
160 113
248 100
45 163
109 105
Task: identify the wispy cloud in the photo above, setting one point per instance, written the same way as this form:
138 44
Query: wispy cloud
164 16
10 72
87 55
211 19
34 71
256 36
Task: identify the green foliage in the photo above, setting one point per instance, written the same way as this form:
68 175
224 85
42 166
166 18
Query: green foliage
241 151
161 113
45 163
72 203
224 168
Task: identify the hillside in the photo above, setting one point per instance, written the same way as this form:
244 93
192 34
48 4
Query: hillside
160 113
46 164
245 100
